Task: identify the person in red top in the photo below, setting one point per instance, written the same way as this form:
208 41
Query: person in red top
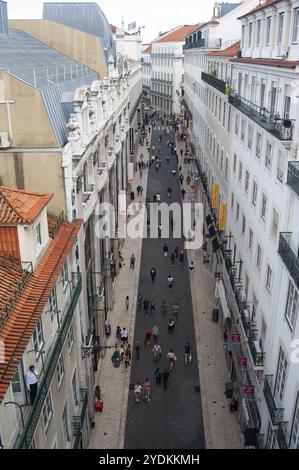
148 337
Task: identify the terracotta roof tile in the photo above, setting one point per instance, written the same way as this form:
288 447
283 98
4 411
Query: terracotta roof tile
208 22
267 3
19 327
178 34
148 50
229 52
21 207
288 64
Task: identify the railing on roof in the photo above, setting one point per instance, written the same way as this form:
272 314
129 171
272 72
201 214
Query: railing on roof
78 420
220 85
50 366
14 296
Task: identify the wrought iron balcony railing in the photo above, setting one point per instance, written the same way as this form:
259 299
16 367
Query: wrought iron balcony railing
281 436
276 414
51 363
293 176
220 85
280 128
188 112
194 44
258 356
79 419
288 256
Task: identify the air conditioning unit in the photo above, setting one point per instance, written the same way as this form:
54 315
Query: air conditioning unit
5 140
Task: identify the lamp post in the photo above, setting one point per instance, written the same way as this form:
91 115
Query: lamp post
20 408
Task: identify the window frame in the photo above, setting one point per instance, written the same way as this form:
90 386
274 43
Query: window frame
292 318
48 406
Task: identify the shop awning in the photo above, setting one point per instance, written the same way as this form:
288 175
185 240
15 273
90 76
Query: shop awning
222 297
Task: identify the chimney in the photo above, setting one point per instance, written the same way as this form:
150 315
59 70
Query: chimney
3 18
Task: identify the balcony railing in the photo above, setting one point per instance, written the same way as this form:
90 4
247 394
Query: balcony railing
293 176
288 256
276 414
220 85
52 360
193 44
280 436
258 356
79 419
280 128
188 112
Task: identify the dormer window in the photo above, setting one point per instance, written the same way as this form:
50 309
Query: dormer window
38 234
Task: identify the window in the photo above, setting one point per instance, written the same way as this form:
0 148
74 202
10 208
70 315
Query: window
258 256
232 201
292 305
268 278
250 239
250 134
246 181
243 35
268 30
70 338
280 27
268 158
280 167
238 212
275 223
52 304
295 36
229 118
60 370
38 337
258 32
65 424
217 155
254 193
16 382
221 161
235 163
38 234
243 126
226 169
264 207
47 411
75 388
281 374
64 275
237 124
224 113
250 35
258 144
295 428
243 225
240 171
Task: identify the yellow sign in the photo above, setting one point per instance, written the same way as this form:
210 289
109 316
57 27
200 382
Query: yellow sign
222 216
215 193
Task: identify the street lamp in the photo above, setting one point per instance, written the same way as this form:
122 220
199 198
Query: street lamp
42 356
20 408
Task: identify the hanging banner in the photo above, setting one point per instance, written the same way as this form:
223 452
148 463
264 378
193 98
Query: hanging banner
222 216
215 193
130 172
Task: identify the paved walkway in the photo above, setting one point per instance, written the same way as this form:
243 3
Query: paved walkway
221 427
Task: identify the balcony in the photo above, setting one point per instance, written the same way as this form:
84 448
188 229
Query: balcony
282 129
276 414
51 363
220 85
78 420
280 436
293 176
188 112
89 204
288 256
194 44
258 356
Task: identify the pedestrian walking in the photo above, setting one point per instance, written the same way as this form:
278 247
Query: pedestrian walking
107 329
132 262
140 302
137 392
167 159
153 307
171 326
176 250
183 192
118 332
126 359
169 192
175 310
146 305
181 257
32 379
165 250
164 308
129 351
165 377
170 282
147 390
171 359
148 337
127 302
157 352
158 376
153 274
172 259
188 353
191 267
124 336
137 351
121 353
181 151
181 179
155 332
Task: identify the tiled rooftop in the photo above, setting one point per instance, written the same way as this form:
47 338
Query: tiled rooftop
19 327
21 207
148 50
178 34
229 52
288 64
